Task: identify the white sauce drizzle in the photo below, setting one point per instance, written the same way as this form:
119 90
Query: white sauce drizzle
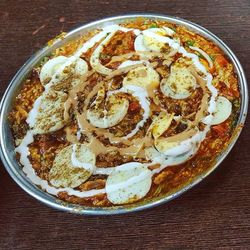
129 63
171 161
95 57
184 146
90 43
115 27
203 53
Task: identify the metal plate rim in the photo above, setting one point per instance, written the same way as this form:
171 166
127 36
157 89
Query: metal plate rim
49 200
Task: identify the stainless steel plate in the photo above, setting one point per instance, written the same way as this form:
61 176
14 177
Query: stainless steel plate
7 146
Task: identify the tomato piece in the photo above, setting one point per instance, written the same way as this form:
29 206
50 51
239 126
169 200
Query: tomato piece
221 60
220 129
134 107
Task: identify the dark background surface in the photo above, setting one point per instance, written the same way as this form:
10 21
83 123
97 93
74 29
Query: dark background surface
215 214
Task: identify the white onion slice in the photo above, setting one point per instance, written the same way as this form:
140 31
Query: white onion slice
203 53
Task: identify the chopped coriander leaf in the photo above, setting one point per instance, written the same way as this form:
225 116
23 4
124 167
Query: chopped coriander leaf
212 57
236 103
44 60
235 113
190 42
154 26
200 55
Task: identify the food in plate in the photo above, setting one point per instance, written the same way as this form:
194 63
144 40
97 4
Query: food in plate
125 113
